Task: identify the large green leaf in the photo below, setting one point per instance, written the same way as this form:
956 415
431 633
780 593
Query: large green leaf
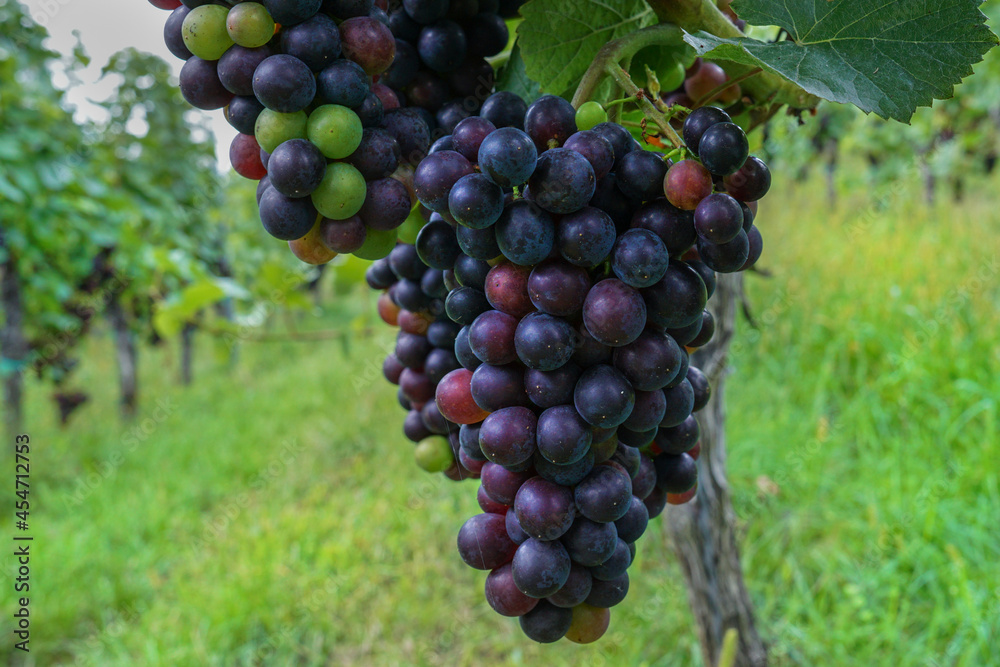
883 56
559 38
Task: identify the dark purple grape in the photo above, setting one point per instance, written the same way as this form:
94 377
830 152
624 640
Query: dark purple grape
650 408
541 567
508 435
478 243
608 593
435 177
377 156
609 198
491 338
596 149
590 543
674 226
614 313
700 120
563 181
504 109
616 565
562 434
346 9
380 274
316 42
707 276
650 362
678 299
543 342
414 428
242 114
404 66
411 131
476 202
548 389
290 12
296 168
605 494
370 112
706 331
575 590
525 233
469 135
237 66
483 542
682 373
487 34
501 484
437 246
546 623
620 138
387 204
544 510
496 387
369 43
442 46
172 34
586 237
514 530
463 352
679 439
342 82
702 389
726 257
751 182
284 83
679 403
566 475
723 148
426 11
403 26
633 524
471 272
756 243
448 117
464 305
603 396
503 596
200 85
550 121
508 157
718 218
473 80
558 288
405 262
675 473
640 175
285 218
655 502
640 258
627 436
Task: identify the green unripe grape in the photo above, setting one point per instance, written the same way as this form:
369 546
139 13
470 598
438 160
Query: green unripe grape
336 130
249 24
672 77
434 454
341 192
378 244
590 114
274 128
204 32
408 231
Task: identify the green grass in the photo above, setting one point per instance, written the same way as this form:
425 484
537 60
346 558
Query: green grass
272 515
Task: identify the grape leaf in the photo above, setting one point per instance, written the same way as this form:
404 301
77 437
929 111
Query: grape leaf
559 38
513 78
884 56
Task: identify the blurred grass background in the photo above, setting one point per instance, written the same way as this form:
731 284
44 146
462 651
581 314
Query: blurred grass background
271 513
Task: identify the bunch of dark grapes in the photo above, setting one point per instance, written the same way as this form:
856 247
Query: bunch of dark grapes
413 299
305 84
581 266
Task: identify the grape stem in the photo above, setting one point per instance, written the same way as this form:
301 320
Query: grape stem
622 78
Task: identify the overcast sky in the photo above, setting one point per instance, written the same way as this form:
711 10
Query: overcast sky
105 27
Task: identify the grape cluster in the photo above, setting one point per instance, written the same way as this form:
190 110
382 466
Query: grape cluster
413 299
334 101
581 266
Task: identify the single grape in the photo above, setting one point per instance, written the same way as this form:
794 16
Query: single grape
614 313
558 288
586 237
454 398
524 232
677 299
541 568
620 138
204 32
386 204
504 109
604 495
674 226
316 41
616 565
487 34
200 85
173 33
700 120
640 175
702 390
478 243
548 389
640 258
491 337
631 526
286 218
726 257
508 157
590 114
724 148
244 154
502 593
603 397
250 25
341 193
236 68
679 404
543 342
751 182
290 12
756 243
650 408
687 183
344 83
597 150
563 181
475 201
546 623
442 46
507 436
718 218
507 289
544 510
469 135
549 121
590 543
284 83
274 128
435 177
368 42
483 542
675 473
